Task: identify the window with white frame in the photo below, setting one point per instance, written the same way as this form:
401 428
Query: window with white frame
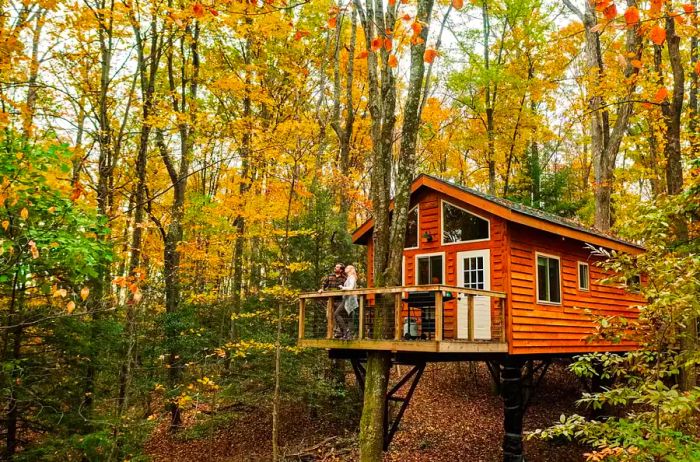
548 279
411 241
458 225
583 276
429 269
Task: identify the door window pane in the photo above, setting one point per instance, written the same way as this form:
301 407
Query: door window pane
474 273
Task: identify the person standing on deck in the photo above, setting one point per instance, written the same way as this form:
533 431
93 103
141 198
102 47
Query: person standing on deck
335 281
342 315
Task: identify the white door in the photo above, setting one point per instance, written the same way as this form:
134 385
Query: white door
474 272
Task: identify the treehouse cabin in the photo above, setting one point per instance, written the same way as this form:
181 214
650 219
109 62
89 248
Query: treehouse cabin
480 275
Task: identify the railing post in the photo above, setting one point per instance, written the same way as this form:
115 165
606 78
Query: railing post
470 316
361 323
397 316
329 317
302 306
503 319
438 315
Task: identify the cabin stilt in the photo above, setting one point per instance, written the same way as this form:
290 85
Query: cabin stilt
513 409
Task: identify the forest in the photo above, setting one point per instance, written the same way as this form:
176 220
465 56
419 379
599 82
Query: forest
174 173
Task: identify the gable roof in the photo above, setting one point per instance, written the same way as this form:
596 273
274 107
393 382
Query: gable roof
514 212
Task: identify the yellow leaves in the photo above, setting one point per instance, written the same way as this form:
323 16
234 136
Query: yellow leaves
429 55
33 250
60 293
84 293
661 95
24 213
393 61
5 224
658 35
70 307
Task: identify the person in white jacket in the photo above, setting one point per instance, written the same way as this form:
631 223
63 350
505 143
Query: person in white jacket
343 312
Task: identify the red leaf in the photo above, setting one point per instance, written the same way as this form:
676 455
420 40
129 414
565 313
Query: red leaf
362 55
429 55
658 35
376 44
416 28
393 61
406 17
457 4
631 16
332 22
198 10
688 8
610 12
661 95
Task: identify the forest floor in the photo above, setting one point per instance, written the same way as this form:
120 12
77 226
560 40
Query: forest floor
454 416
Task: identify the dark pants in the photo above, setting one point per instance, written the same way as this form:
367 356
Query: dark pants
341 317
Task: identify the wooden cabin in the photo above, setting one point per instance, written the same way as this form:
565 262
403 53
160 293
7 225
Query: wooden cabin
482 274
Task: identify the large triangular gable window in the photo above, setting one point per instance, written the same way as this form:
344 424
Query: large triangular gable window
458 225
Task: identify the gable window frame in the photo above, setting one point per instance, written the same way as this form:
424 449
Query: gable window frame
417 209
442 224
581 286
416 271
537 278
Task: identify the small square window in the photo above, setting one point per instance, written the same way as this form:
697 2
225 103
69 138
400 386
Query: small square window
583 276
634 284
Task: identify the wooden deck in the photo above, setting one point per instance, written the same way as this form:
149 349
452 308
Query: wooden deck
317 326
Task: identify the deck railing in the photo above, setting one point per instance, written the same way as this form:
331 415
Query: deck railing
411 318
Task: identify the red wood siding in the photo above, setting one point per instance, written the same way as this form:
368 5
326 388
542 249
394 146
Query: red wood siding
548 328
429 203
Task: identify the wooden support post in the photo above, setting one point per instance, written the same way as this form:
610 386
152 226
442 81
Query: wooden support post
438 316
397 316
329 318
512 390
361 321
470 317
502 306
302 310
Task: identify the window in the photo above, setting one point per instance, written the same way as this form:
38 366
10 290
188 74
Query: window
458 225
634 284
583 276
429 269
548 286
411 240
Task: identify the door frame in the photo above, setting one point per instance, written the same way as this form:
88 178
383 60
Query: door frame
460 256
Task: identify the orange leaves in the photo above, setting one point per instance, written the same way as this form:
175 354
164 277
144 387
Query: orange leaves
631 16
388 45
655 6
688 8
661 95
610 12
430 55
78 191
393 61
697 67
24 213
332 22
70 307
457 4
84 292
636 63
658 35
362 55
5 224
376 44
